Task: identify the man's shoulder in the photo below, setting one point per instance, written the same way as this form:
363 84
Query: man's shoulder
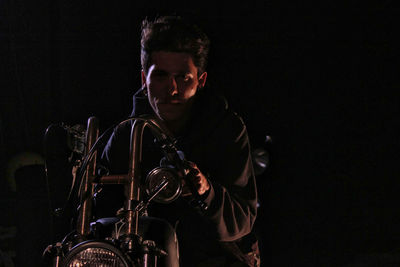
233 124
123 128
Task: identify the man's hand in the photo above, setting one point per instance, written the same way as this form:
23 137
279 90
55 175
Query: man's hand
198 179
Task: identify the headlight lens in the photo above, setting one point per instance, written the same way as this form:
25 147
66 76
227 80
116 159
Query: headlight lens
95 254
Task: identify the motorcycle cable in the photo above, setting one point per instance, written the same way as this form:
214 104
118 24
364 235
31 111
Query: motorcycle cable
77 177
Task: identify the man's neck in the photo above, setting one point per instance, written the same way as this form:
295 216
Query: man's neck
176 127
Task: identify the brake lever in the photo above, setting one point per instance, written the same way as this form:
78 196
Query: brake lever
194 199
177 159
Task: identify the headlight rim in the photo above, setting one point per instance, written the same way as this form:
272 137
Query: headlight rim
104 244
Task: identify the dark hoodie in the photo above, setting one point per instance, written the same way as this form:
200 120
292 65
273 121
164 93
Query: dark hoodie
215 138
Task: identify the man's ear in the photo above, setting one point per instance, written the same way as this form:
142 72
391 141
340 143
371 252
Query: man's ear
143 79
202 79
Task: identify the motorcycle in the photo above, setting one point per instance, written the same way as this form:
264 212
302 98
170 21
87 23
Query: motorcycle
129 238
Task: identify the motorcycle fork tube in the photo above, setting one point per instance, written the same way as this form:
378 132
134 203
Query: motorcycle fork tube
132 187
85 212
149 260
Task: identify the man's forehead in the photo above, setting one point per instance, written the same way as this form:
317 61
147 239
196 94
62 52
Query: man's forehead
158 69
172 62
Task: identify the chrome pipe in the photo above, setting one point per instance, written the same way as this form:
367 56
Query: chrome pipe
112 179
132 187
87 189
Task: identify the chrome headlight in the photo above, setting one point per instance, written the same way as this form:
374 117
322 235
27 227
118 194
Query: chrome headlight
95 254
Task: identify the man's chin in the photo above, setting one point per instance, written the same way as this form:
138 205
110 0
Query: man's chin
169 118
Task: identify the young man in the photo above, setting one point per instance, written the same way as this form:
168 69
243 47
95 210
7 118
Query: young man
213 138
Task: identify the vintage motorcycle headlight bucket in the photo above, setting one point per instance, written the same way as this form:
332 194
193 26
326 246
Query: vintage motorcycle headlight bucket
171 191
95 253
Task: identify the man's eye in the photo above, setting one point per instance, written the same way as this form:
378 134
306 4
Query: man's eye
160 75
186 77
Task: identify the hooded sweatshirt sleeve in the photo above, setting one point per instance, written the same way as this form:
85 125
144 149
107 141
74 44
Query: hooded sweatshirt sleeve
232 198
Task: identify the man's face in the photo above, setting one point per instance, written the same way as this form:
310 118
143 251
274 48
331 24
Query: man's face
172 82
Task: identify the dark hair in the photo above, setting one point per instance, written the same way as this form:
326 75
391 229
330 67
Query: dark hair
174 34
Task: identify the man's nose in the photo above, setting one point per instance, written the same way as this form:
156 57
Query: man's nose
173 87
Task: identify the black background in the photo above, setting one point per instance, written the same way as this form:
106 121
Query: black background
319 78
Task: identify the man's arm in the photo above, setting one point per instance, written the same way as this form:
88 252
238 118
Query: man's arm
230 191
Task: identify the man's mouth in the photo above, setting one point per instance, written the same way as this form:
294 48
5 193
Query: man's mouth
171 107
171 104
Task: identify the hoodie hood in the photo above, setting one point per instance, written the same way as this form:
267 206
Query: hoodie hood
140 104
